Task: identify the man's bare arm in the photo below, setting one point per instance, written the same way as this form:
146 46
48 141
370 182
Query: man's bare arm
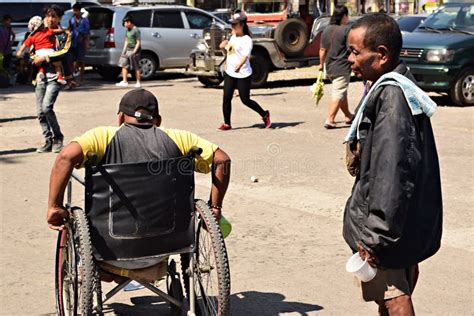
70 156
220 180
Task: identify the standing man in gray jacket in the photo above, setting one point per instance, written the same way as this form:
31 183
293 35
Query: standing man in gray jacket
394 215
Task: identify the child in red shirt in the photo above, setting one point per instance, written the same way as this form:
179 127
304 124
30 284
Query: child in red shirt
43 40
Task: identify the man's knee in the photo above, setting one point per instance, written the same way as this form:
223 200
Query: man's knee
400 306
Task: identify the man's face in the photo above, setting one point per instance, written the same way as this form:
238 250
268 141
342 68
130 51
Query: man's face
7 22
366 63
127 24
77 13
51 20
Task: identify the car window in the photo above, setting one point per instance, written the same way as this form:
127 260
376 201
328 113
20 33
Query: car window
408 24
452 16
198 20
141 18
100 18
168 19
65 19
22 12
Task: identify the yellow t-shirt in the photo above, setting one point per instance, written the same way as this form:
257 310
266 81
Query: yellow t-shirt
97 139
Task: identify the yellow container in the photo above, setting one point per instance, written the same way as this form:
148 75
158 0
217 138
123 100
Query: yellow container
226 226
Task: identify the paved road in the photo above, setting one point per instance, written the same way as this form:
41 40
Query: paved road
286 251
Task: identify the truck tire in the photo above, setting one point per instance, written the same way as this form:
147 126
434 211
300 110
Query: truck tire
260 70
462 91
210 81
292 36
109 73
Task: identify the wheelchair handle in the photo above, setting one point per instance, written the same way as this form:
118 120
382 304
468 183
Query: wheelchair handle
196 151
91 159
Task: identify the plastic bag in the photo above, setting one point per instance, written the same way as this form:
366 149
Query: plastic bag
317 89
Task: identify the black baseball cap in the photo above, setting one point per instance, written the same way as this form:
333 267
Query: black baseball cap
139 99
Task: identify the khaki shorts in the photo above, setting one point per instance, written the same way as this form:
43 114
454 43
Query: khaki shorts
339 87
389 283
130 60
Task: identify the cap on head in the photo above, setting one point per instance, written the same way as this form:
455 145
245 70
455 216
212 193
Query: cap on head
139 99
238 17
35 23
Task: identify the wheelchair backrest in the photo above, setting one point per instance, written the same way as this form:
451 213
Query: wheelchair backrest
141 209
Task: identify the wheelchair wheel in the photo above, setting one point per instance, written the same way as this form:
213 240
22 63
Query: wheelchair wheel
75 269
212 273
173 285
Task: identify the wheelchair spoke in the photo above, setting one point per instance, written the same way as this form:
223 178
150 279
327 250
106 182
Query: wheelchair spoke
206 285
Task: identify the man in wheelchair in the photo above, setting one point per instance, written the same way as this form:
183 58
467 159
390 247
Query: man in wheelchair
138 138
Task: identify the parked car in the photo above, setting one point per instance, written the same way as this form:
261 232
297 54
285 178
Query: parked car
440 52
22 10
408 23
168 35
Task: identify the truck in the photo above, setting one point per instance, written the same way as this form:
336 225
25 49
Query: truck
285 35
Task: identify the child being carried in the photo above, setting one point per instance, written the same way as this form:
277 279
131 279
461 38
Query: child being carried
44 42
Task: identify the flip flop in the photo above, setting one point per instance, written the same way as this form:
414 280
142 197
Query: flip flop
330 125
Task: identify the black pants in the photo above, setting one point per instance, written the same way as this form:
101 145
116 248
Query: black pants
243 86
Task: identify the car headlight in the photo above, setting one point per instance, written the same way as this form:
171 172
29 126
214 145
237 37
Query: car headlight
207 36
440 55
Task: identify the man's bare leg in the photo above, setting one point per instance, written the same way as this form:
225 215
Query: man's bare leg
124 74
345 109
334 106
398 306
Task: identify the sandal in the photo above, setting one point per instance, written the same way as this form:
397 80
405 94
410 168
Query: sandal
330 125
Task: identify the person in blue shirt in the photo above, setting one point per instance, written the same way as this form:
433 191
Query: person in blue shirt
80 28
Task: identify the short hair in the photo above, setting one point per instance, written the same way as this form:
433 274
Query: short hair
7 17
381 29
77 6
53 9
339 12
127 18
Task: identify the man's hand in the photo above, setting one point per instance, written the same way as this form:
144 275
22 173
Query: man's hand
56 218
217 213
238 69
364 253
321 67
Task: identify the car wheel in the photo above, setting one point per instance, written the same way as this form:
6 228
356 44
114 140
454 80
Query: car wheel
109 73
148 66
462 91
210 81
260 70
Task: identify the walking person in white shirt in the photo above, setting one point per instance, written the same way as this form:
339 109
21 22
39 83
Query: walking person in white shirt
238 71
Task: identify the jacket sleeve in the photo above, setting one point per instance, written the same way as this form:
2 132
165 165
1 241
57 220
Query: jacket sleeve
59 55
392 171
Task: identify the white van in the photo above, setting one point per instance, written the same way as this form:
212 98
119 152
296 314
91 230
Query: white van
22 10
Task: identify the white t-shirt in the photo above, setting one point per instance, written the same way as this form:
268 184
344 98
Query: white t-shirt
237 48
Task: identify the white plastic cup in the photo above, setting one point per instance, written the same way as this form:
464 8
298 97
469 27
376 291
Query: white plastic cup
360 268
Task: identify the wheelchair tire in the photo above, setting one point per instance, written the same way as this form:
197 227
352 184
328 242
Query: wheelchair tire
75 269
174 288
212 272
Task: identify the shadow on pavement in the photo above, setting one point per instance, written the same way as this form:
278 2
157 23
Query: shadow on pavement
276 125
17 151
143 305
444 100
21 118
260 303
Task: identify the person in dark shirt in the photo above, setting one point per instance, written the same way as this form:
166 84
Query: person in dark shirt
333 58
393 217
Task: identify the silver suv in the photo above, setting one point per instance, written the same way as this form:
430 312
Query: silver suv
168 33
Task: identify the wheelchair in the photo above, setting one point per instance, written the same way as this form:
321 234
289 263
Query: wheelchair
136 211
